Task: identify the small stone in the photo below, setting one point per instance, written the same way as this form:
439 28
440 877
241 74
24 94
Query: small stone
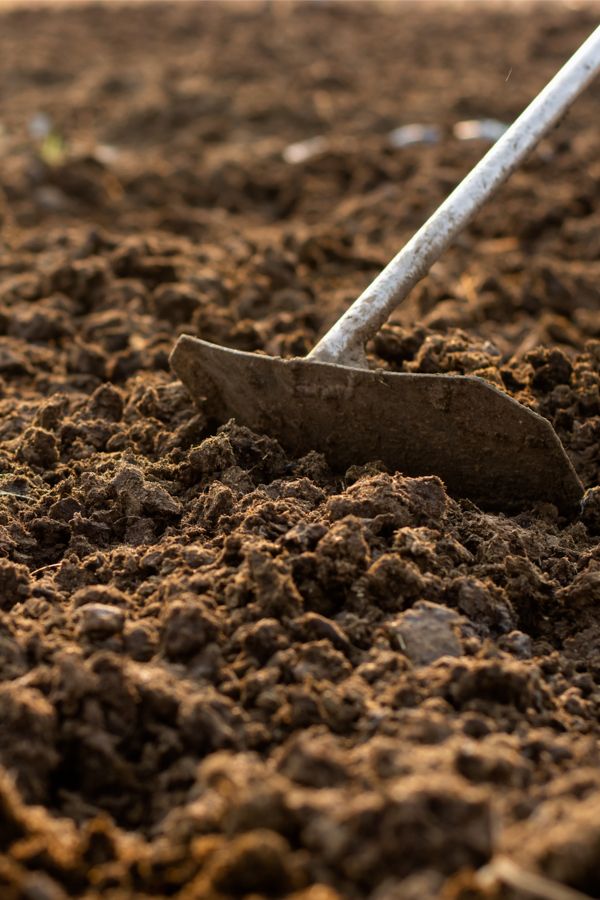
101 621
427 632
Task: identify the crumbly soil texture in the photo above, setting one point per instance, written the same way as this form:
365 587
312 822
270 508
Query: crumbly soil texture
226 672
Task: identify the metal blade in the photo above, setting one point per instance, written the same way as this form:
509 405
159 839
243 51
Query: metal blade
482 443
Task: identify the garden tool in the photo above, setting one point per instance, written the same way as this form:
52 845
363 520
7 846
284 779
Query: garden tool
481 442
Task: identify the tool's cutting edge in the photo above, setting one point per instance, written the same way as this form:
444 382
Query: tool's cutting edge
482 443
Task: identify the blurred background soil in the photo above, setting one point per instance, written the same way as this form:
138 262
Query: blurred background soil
225 672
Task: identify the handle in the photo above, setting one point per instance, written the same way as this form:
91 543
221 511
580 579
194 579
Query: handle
345 341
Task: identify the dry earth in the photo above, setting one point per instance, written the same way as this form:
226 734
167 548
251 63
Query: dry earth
225 672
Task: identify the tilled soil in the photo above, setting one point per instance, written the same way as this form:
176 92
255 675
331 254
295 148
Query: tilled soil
225 672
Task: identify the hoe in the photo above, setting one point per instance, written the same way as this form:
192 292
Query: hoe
484 445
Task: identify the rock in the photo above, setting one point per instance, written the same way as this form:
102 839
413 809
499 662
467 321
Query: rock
99 620
427 632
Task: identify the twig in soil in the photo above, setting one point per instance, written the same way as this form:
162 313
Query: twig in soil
43 568
537 886
18 496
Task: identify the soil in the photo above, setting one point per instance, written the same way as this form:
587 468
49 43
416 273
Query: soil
225 672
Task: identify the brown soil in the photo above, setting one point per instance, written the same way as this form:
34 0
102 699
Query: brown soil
225 672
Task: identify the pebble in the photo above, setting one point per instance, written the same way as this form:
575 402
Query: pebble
427 632
100 620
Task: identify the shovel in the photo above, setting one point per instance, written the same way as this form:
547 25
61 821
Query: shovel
484 444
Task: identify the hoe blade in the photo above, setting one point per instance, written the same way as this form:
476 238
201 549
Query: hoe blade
482 443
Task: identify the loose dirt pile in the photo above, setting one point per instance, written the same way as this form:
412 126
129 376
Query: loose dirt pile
225 672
